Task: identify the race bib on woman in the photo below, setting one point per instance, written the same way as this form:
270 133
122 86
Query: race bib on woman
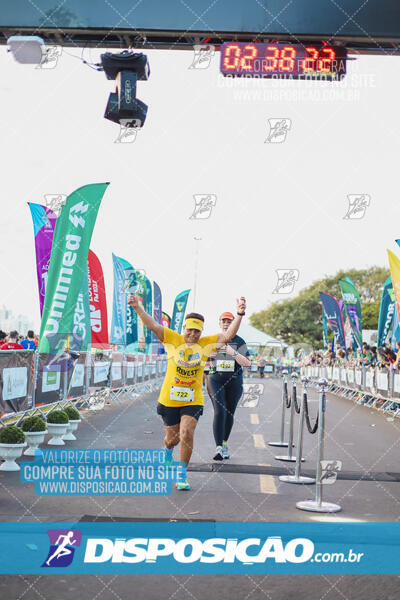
225 366
181 394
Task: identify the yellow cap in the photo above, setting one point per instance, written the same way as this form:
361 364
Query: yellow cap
194 324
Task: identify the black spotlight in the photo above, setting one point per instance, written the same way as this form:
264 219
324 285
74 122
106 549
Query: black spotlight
126 68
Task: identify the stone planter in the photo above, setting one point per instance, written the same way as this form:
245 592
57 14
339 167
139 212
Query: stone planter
72 426
33 439
57 430
10 452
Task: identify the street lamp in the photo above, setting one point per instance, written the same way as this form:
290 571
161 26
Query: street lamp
196 267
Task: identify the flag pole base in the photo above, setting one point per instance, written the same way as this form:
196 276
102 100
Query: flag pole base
321 507
294 479
279 444
287 458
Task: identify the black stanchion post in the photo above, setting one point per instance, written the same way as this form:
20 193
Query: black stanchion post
297 477
282 443
318 505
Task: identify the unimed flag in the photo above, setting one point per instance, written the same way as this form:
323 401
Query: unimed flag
179 310
68 266
386 312
334 316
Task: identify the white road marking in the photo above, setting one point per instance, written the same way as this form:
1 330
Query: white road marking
258 440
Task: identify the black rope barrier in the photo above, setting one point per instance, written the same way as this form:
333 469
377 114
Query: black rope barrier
311 429
296 406
288 400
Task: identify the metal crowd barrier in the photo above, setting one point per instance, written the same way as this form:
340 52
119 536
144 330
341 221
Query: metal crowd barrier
30 381
370 386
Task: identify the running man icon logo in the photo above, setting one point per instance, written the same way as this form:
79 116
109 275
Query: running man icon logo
55 202
63 543
286 280
128 131
50 57
203 205
202 57
330 470
358 204
278 129
252 393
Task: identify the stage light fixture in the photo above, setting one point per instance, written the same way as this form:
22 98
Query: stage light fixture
127 69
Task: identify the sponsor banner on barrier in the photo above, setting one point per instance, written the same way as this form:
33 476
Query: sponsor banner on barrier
130 370
358 377
51 378
100 371
116 371
199 547
16 381
78 376
382 380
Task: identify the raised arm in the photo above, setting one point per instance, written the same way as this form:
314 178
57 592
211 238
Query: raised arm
225 336
146 318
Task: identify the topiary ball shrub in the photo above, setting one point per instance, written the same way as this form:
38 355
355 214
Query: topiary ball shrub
31 424
58 417
11 434
72 413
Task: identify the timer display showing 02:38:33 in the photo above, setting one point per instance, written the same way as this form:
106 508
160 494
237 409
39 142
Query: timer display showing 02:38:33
282 60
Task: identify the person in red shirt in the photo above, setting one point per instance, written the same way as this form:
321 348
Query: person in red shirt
12 343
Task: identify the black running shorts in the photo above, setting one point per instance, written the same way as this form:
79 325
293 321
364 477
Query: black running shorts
171 415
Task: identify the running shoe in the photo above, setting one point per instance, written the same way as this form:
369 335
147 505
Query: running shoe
182 485
225 451
219 455
169 459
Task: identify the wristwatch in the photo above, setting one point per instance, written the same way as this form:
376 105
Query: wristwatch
235 353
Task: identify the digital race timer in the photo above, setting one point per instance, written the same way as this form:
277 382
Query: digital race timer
284 61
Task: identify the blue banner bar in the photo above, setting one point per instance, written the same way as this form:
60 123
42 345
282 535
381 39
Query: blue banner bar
200 547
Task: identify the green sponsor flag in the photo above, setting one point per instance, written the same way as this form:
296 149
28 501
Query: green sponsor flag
352 302
68 265
179 310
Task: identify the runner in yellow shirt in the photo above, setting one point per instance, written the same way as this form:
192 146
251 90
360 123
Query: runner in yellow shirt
181 399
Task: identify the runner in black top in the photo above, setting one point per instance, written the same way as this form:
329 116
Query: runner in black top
225 385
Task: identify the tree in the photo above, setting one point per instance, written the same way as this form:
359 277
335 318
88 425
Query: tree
299 319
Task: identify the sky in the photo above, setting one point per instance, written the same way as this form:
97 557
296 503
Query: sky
278 206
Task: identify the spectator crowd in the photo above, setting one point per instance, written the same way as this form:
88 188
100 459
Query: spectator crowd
368 356
14 341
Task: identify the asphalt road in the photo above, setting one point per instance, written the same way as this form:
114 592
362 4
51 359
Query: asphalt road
362 439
